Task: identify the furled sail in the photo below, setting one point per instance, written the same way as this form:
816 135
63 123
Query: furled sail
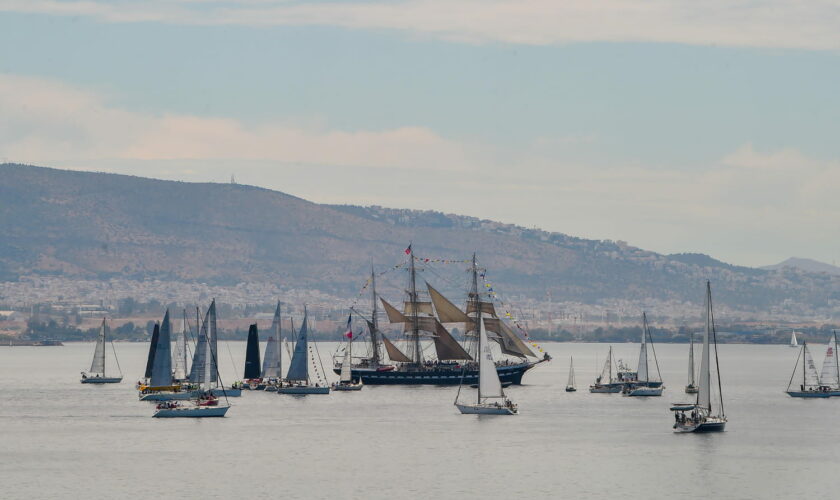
447 347
642 370
488 378
252 354
98 363
394 315
830 374
447 312
152 349
299 367
704 394
162 363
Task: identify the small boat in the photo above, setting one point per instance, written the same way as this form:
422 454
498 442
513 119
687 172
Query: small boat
491 396
809 386
701 416
297 380
691 388
793 342
570 384
346 382
605 384
206 403
96 374
644 385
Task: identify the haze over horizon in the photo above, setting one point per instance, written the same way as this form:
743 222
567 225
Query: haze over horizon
715 135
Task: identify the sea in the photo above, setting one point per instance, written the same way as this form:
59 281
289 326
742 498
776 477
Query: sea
62 439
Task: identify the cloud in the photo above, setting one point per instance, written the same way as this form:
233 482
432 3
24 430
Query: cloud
47 122
800 24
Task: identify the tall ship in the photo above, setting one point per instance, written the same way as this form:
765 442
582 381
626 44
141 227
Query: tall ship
431 355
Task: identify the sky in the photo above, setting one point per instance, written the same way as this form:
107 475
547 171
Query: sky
673 127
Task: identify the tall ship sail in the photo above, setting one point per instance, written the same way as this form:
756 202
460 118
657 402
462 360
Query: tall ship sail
430 354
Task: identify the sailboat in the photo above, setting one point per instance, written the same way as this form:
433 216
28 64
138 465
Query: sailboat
96 374
203 402
297 379
570 385
793 342
271 372
345 381
830 374
208 343
159 386
643 384
691 388
809 385
422 320
605 383
703 417
251 376
491 396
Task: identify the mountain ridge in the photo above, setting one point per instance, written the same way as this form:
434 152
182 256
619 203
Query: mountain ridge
101 225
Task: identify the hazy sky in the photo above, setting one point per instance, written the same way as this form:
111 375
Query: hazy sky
675 126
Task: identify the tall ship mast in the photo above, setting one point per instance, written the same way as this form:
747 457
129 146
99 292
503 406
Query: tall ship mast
431 355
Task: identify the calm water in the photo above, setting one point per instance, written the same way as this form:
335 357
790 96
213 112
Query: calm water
62 439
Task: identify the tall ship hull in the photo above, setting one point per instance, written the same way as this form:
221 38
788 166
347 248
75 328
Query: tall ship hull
439 375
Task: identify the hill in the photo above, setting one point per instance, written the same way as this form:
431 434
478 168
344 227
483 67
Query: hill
98 225
808 265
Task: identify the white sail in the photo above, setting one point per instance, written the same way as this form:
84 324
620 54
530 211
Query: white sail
271 362
98 363
830 374
793 342
812 378
571 382
704 395
642 371
345 366
180 361
488 379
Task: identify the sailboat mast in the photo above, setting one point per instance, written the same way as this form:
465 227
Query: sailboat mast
476 301
374 340
717 363
415 320
644 343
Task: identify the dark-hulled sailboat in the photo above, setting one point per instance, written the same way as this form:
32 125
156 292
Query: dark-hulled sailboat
424 319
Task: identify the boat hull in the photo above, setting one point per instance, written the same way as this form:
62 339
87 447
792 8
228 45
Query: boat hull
479 409
197 412
571 389
716 426
229 392
809 394
604 389
644 392
347 387
166 396
101 380
508 374
302 391
691 389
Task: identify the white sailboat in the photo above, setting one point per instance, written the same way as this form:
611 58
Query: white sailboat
297 380
96 374
691 388
271 368
179 357
605 384
793 342
346 382
830 374
701 416
570 384
809 386
203 403
491 396
644 384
